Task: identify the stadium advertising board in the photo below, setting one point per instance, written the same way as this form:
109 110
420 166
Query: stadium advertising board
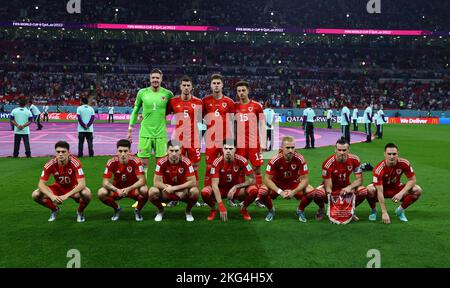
412 120
444 121
5 115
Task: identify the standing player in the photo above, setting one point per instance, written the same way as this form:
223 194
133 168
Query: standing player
249 114
187 111
129 181
218 111
152 132
228 181
287 176
174 180
386 184
69 183
336 171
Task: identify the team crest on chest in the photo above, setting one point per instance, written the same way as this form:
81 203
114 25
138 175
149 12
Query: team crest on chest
399 171
163 98
250 109
180 170
193 106
236 168
129 169
69 171
349 167
224 105
293 166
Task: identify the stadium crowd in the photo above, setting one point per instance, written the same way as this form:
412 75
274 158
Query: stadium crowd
400 14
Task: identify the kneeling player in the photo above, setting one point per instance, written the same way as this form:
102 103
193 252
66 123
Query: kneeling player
228 181
287 175
386 184
174 180
129 181
336 171
69 183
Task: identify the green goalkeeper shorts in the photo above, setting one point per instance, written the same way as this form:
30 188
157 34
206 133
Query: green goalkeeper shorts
146 145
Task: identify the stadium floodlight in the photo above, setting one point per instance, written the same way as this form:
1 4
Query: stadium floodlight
37 7
348 15
195 11
117 9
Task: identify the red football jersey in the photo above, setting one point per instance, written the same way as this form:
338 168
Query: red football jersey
390 177
214 109
187 114
230 174
247 118
125 175
174 174
286 173
67 176
338 172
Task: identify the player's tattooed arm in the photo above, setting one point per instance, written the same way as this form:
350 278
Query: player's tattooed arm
250 180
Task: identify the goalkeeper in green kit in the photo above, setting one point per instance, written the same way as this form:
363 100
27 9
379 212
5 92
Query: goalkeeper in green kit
152 132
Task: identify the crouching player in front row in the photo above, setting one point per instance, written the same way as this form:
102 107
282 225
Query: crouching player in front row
69 183
386 184
336 171
174 180
228 174
129 181
287 176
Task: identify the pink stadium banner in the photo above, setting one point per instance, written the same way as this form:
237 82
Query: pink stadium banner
373 32
159 27
155 27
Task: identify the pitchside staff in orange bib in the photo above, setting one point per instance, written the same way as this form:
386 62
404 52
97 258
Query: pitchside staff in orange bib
287 176
386 184
218 111
174 180
129 181
336 171
228 174
69 183
249 114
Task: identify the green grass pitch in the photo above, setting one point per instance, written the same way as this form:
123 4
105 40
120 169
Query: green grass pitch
28 240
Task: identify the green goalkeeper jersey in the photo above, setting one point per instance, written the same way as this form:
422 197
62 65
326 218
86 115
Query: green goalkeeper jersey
153 112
